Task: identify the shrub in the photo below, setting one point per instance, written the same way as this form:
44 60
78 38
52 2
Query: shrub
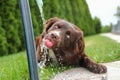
3 42
97 25
106 29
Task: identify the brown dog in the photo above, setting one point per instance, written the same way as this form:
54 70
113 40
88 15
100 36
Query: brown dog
65 41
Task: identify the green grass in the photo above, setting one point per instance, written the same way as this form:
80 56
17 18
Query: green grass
14 67
100 49
48 72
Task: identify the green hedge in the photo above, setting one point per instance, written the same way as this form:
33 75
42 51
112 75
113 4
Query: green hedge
97 25
75 11
11 29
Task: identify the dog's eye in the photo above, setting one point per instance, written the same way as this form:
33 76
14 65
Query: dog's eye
57 27
68 34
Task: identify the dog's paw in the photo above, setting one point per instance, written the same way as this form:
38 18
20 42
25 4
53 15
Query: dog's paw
98 68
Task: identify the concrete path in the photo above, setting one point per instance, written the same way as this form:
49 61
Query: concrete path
113 70
80 73
112 36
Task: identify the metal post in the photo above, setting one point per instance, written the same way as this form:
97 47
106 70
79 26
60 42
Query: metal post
29 38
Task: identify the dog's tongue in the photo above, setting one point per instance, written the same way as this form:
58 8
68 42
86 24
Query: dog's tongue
48 43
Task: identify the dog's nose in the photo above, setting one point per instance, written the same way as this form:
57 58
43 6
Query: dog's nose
53 36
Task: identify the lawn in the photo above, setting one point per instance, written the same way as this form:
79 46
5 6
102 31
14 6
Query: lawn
14 67
100 49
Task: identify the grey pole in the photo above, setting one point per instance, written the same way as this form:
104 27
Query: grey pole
29 38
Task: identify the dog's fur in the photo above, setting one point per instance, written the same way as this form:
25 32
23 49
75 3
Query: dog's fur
68 46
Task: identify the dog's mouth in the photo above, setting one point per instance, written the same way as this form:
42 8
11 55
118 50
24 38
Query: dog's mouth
49 42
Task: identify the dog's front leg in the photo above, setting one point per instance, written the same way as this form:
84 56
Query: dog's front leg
92 66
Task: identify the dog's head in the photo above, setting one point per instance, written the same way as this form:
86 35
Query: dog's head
63 34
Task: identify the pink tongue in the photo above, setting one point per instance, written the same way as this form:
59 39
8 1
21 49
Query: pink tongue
48 43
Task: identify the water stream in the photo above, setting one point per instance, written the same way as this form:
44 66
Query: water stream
43 48
40 5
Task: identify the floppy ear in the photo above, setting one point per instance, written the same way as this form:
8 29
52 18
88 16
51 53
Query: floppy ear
50 22
38 49
38 40
79 43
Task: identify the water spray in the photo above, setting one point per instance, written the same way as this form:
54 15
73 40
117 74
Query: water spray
43 48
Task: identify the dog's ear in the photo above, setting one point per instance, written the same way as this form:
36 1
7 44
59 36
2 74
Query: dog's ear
38 49
50 22
79 42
